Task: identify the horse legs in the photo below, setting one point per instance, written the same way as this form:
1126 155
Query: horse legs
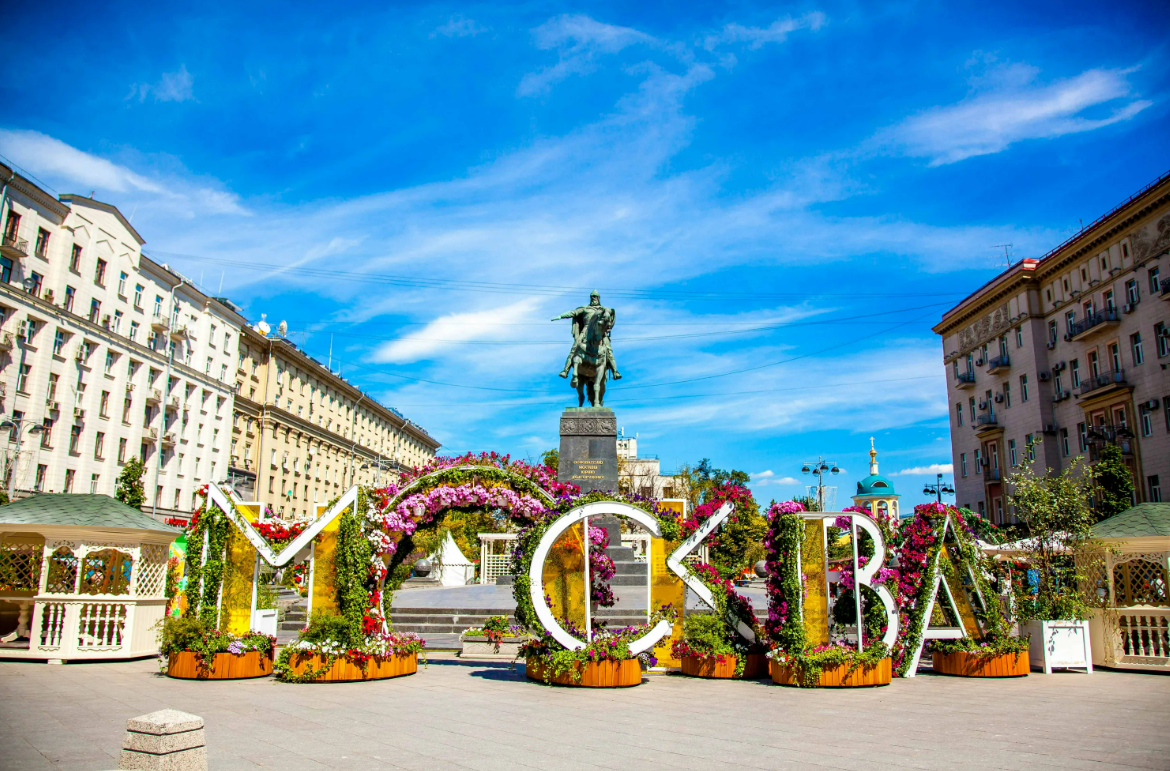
580 392
598 386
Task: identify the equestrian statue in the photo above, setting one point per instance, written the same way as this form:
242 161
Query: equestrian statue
591 355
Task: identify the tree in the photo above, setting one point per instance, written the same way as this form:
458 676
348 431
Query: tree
130 490
552 459
1055 509
1114 493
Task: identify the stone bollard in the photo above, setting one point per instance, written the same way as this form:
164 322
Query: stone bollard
167 740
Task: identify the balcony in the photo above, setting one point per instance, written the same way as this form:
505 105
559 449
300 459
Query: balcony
1093 325
1165 287
179 333
168 439
14 248
988 421
6 341
965 380
991 474
150 434
1104 382
160 323
173 404
154 396
1002 361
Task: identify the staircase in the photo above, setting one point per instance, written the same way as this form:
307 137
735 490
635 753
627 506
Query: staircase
432 621
293 618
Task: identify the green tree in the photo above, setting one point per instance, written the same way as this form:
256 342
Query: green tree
552 459
1055 509
1114 493
130 490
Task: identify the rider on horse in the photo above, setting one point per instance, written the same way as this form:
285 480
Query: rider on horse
584 319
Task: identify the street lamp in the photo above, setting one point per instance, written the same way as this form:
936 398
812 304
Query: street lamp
18 424
819 469
938 489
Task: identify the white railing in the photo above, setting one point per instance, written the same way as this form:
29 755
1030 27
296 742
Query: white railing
1143 636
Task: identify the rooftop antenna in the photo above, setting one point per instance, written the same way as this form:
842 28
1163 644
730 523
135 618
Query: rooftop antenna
1007 252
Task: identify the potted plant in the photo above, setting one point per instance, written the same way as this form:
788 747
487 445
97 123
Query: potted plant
328 650
606 662
706 649
1050 605
837 665
192 649
495 639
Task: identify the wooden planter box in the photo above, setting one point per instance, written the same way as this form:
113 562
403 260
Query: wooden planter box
862 677
475 647
754 668
966 664
594 674
223 666
344 671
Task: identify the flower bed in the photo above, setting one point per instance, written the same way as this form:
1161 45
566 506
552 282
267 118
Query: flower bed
724 667
832 666
308 667
496 639
188 665
965 664
588 674
192 649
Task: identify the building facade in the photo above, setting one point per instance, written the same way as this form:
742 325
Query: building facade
301 434
106 355
1058 357
643 476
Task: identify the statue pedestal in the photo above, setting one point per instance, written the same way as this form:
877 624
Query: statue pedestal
588 456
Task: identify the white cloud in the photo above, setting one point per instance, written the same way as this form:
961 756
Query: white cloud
756 37
1009 107
459 26
442 333
171 87
931 470
763 475
578 40
63 164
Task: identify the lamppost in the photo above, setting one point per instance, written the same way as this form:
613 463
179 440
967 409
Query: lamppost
938 489
18 424
819 469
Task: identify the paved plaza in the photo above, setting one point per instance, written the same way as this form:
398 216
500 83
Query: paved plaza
474 715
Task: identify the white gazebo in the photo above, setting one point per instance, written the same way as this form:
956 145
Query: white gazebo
81 577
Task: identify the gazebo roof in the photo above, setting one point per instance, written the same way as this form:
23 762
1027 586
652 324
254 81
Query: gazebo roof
79 510
1145 520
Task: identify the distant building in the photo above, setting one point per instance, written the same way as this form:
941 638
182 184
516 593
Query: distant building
302 434
876 492
642 476
1072 349
106 355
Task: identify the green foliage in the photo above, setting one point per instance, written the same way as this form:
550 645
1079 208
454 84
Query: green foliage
981 648
740 543
352 561
552 459
1056 511
785 626
204 578
130 490
326 627
810 663
194 635
1114 493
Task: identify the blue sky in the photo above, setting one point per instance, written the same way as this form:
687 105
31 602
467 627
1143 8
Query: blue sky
778 199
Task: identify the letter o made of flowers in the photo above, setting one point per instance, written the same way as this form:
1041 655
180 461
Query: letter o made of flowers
536 571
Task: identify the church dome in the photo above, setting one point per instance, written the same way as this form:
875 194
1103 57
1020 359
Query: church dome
875 484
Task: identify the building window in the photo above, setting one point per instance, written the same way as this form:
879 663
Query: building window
1146 418
5 269
99 274
1012 451
1029 447
74 438
1019 337
59 342
99 445
1131 291
138 296
42 250
1094 364
1007 394
110 359
122 284
95 309
93 483
126 405
1162 339
1057 385
70 296
104 406
1064 442
75 258
1135 348
1023 388
981 509
1070 320
1115 356
47 433
1155 488
1155 280
971 403
42 469
121 451
207 369
962 466
1052 332
1082 438
1074 368
37 281
22 378
959 413
69 474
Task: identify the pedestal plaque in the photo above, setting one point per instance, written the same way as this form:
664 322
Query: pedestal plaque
588 455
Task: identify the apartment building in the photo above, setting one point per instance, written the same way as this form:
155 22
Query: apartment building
106 355
643 476
302 434
1070 351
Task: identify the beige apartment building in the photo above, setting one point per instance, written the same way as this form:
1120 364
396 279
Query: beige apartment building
106 355
1072 349
302 434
